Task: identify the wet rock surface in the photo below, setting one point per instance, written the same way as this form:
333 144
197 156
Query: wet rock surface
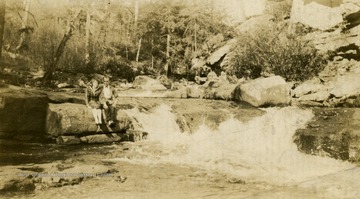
334 132
191 113
68 121
27 180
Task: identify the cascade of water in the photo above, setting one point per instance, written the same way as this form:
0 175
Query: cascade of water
259 150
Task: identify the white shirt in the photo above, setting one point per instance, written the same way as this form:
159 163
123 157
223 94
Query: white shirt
107 92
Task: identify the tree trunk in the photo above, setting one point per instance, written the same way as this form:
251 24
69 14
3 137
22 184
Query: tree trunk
59 51
138 51
135 33
136 15
24 25
151 51
195 36
2 23
127 52
167 55
152 61
87 38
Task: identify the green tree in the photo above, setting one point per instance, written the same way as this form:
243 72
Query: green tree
172 32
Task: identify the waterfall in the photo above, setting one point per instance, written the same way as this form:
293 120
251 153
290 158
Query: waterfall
260 150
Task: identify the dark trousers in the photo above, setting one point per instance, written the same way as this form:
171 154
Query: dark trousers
110 112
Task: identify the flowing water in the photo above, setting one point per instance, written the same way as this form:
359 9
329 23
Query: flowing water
254 159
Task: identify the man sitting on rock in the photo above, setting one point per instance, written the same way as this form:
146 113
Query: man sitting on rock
109 100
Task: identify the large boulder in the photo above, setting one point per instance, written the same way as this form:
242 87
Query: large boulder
164 80
221 52
219 88
265 91
194 91
307 87
346 86
225 91
320 96
318 14
239 10
148 83
22 112
77 119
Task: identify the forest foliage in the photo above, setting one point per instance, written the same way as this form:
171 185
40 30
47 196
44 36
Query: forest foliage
110 33
159 37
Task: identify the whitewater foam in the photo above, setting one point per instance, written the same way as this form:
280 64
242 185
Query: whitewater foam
259 150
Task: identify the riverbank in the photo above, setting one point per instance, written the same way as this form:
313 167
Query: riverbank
195 147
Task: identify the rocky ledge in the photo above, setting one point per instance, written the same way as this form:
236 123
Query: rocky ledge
31 115
334 132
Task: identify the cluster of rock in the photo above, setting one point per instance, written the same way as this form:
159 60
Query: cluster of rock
28 114
337 86
270 91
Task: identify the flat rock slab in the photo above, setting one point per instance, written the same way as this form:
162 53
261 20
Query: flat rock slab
130 135
63 97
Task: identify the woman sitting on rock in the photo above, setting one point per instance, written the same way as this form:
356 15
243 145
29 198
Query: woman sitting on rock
92 95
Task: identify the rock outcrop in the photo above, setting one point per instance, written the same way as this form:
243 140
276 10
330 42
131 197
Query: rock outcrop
147 83
22 113
307 87
221 52
25 180
239 10
194 91
317 13
28 114
77 119
63 97
265 91
346 86
337 86
130 135
333 133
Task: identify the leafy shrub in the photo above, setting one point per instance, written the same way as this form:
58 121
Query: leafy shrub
273 50
120 70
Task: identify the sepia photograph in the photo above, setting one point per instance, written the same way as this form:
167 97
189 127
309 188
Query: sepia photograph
179 99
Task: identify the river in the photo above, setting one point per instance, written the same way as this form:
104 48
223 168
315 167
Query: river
238 159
